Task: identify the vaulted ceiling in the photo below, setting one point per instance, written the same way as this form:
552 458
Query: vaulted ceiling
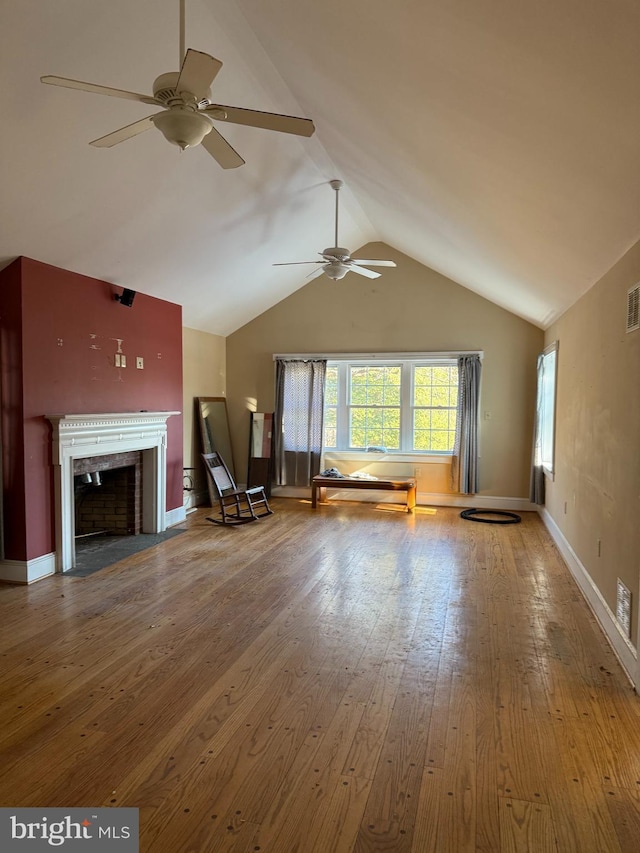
496 141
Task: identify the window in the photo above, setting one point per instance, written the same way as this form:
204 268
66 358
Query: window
374 405
547 407
331 407
435 406
407 406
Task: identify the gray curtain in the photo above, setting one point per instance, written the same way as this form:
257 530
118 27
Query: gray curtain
536 487
298 420
464 467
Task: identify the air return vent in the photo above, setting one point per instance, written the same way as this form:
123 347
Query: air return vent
623 608
633 309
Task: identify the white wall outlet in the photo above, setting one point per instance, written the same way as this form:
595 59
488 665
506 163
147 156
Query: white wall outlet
140 363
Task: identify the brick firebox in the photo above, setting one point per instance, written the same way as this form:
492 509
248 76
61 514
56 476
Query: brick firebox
115 506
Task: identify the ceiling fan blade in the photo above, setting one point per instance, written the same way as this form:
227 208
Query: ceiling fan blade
256 118
365 272
98 90
197 73
221 151
315 273
292 263
360 262
123 133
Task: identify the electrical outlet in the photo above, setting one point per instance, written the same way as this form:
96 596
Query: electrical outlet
140 363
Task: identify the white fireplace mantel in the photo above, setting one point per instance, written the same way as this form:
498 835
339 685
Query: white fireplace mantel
79 436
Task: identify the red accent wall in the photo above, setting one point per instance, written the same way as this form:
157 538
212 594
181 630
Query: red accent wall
60 333
14 519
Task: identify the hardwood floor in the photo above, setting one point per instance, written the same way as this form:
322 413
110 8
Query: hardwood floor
347 679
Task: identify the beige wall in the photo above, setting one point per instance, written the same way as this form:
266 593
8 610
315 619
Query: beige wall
597 458
411 308
204 375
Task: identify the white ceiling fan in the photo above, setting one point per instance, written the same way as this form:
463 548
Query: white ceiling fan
337 260
188 113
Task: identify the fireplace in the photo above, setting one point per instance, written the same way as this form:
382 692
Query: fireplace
77 437
108 494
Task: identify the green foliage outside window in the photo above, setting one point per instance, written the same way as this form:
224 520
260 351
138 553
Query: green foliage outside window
374 395
368 405
331 387
435 400
379 426
330 407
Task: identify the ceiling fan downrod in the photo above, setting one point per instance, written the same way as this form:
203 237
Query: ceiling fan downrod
336 184
182 45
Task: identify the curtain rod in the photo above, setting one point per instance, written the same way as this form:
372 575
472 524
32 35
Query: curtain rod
372 356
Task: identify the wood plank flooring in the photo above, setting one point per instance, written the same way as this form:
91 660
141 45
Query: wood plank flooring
347 679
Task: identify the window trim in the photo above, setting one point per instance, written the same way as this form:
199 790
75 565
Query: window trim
408 363
548 418
374 356
432 457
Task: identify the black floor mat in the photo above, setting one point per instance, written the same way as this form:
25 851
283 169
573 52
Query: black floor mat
97 552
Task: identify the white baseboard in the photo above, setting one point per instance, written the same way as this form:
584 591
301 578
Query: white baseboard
27 571
477 502
422 498
621 645
196 499
175 516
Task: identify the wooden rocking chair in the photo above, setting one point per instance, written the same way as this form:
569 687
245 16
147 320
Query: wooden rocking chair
237 506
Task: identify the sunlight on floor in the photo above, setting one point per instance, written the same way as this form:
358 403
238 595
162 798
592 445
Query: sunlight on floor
380 507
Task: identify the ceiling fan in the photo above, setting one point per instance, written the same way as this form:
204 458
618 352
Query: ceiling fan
337 260
188 113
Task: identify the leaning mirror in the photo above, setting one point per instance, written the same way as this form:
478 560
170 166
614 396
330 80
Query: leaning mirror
214 431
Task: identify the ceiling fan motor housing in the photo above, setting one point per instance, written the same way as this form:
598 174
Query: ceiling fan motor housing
338 253
164 90
182 123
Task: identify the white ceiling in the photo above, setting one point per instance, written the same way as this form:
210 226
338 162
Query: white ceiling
496 141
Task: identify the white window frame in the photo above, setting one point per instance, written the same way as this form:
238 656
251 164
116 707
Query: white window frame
547 425
407 364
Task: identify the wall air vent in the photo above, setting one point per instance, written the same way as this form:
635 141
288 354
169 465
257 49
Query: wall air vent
623 608
633 309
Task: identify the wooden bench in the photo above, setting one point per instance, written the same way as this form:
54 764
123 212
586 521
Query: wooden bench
320 485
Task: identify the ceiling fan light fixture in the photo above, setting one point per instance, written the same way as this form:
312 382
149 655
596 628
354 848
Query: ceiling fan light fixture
182 127
336 270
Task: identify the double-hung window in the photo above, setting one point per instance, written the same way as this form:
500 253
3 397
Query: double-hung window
402 406
546 407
